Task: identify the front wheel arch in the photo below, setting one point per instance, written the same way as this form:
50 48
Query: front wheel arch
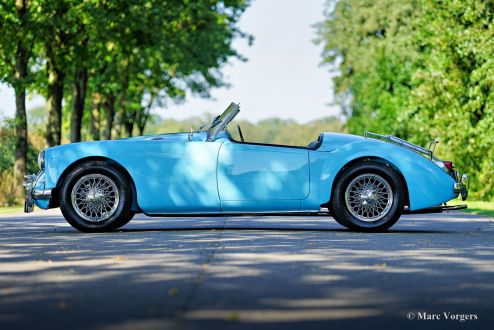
79 162
368 159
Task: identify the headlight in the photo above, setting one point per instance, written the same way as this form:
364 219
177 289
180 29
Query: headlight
41 160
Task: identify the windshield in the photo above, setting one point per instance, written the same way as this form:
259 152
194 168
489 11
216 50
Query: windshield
221 121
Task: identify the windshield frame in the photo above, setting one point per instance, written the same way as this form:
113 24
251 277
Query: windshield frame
221 122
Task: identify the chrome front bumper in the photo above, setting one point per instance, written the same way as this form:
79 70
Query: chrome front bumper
461 186
33 193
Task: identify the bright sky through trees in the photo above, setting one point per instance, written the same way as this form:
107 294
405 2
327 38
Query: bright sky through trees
282 77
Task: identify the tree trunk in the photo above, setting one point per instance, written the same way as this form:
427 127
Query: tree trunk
121 124
20 104
78 97
142 126
95 116
117 128
120 116
143 121
20 133
144 115
129 123
54 101
109 114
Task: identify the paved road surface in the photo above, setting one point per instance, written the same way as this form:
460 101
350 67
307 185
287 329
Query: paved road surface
245 273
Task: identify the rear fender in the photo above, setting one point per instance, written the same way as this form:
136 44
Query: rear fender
427 184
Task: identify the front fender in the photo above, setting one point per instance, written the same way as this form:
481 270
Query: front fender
58 159
169 176
427 184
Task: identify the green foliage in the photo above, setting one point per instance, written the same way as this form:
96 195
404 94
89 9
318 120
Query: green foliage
366 44
9 195
419 70
102 65
7 150
7 147
143 53
125 56
16 31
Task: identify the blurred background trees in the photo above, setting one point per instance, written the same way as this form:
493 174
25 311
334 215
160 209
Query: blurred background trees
420 70
103 64
17 28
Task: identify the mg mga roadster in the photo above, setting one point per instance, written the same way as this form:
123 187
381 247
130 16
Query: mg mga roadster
365 183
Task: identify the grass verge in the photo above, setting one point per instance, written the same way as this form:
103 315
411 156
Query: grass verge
481 208
11 209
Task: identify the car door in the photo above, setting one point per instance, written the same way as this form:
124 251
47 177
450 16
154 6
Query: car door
177 177
258 177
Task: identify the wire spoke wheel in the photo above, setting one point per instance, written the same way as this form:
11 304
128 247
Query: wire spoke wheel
368 197
95 197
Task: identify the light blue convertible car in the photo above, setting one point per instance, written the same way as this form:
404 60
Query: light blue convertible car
365 183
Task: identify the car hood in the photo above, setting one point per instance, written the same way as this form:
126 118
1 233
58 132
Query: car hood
112 144
171 137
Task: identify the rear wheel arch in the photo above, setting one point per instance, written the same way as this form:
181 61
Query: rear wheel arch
383 161
79 162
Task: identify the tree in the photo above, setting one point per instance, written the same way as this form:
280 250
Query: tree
122 56
128 56
420 70
369 48
79 90
158 51
16 45
62 41
454 84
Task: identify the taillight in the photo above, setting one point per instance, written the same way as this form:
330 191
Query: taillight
449 165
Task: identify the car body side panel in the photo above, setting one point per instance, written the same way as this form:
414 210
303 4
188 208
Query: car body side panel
170 177
173 175
280 205
319 189
427 184
262 177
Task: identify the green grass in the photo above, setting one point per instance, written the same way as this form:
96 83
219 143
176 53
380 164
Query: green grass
11 209
481 208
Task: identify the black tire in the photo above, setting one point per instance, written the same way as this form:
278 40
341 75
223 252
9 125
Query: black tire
347 215
121 212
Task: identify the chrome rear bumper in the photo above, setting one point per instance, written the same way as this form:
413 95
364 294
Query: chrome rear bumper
461 186
32 193
436 209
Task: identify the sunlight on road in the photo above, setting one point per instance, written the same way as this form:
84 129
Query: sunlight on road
257 270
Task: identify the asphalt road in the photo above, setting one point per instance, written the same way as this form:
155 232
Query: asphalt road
246 273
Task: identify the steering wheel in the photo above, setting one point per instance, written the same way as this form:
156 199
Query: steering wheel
240 133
